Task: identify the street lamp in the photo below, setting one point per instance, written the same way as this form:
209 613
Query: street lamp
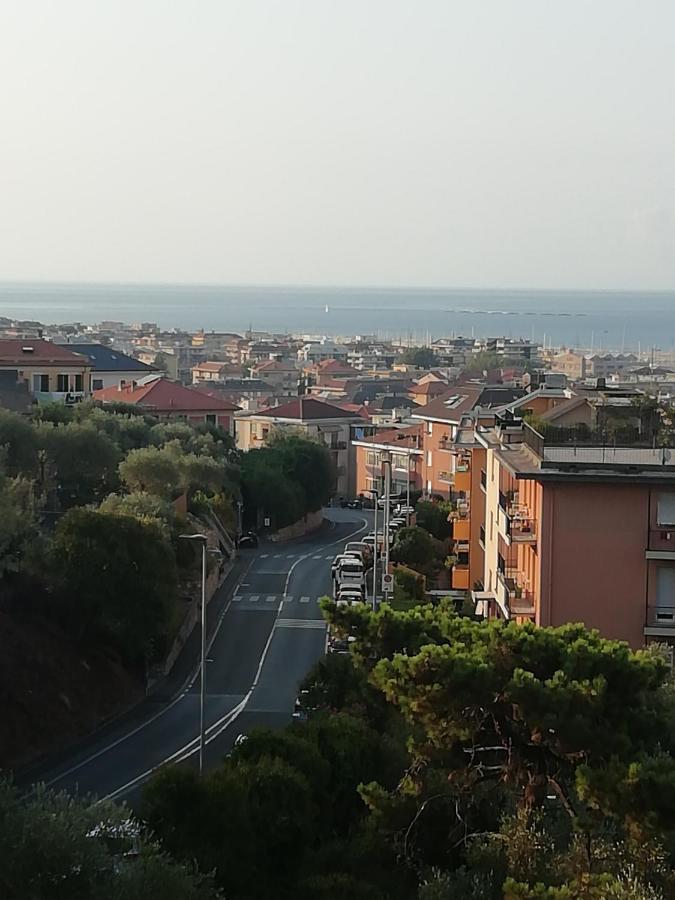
202 686
376 494
386 465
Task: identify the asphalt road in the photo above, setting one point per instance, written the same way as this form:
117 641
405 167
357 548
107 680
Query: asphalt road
265 631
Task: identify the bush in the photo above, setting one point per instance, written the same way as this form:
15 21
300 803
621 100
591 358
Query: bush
408 586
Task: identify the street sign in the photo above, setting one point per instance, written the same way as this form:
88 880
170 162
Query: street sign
387 582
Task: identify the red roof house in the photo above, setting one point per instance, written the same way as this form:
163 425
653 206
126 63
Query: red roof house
169 400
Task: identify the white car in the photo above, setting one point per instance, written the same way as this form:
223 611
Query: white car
348 596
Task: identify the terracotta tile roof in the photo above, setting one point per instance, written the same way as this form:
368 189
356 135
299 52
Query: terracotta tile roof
28 352
209 366
400 437
306 409
334 367
163 395
274 365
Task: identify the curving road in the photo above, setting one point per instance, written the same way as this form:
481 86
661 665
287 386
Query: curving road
264 633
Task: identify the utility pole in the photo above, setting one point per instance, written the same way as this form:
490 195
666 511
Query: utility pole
202 685
375 549
386 465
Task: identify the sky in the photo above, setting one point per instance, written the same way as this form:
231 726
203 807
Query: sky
483 143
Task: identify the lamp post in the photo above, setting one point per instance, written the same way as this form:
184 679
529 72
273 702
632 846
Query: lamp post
202 686
386 465
376 494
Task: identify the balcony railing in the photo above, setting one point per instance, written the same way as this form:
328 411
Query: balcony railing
661 616
523 528
67 397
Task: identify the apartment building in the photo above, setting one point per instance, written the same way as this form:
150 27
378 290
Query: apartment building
441 420
403 447
329 424
563 532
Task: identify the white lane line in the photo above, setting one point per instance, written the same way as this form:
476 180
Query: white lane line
315 624
305 599
263 556
320 557
270 598
222 724
291 555
278 555
328 557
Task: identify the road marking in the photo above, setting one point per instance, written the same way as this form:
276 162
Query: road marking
236 599
278 555
263 556
288 599
320 557
254 598
305 599
326 557
218 727
291 555
271 598
314 624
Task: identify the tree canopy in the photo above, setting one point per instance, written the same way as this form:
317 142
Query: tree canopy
117 579
421 357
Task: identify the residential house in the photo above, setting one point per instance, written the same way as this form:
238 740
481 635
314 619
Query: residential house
52 372
283 376
110 367
171 401
213 370
321 421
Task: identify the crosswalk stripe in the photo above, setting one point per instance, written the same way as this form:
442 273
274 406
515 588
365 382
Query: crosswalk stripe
328 557
318 557
254 598
290 556
270 599
278 555
288 598
301 623
305 599
264 555
236 599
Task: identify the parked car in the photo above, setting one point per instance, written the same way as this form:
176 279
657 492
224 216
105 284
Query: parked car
347 596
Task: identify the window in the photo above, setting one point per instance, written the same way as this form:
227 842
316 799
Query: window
665 509
62 383
492 525
97 384
665 587
481 536
40 383
79 384
430 458
211 418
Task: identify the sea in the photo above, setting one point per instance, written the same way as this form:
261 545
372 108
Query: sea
602 320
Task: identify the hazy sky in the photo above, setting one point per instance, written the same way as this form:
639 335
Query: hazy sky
481 143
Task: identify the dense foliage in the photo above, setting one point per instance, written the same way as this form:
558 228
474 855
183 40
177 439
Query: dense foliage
57 847
288 478
447 758
421 357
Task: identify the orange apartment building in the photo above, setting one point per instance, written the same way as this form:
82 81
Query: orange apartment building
567 533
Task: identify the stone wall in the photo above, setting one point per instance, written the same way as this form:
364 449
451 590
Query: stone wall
303 526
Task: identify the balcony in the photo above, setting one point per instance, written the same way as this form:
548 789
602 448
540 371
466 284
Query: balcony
461 529
462 480
69 398
523 529
661 543
460 576
660 620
